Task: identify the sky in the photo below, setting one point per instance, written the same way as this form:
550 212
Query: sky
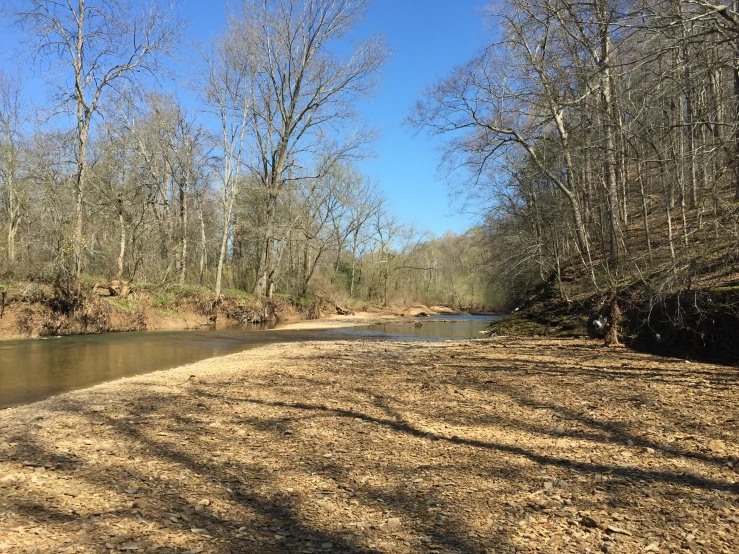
427 39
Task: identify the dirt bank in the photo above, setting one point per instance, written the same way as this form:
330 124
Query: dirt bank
699 324
33 310
398 447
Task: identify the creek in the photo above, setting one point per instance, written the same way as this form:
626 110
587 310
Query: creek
34 369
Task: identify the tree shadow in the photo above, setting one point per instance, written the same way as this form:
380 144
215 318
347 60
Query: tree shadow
337 460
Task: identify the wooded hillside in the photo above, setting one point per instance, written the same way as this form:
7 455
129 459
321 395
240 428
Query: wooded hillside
601 140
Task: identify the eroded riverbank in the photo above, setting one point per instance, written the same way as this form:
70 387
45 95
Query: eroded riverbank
493 445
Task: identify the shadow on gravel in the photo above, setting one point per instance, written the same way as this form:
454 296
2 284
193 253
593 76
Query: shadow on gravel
412 452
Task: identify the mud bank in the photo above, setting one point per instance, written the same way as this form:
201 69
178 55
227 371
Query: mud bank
32 311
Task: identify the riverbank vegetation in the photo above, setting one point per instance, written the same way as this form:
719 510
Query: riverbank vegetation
598 142
250 187
602 142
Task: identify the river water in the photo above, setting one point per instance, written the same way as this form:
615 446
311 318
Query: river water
437 327
34 369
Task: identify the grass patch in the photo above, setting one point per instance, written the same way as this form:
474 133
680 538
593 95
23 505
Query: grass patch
238 295
162 300
124 304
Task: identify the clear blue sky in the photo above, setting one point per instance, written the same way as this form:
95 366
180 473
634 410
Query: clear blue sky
428 38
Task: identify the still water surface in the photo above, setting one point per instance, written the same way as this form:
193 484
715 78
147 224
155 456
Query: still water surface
32 370
437 327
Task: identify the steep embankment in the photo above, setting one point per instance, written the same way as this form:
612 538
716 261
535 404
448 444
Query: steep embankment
33 310
38 310
701 324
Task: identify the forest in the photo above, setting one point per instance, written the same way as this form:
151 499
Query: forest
601 141
253 186
598 143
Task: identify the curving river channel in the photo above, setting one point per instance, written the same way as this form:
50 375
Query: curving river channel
34 369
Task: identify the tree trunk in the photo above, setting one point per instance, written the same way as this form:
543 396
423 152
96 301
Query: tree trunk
203 244
222 255
736 110
608 129
12 230
79 189
386 278
306 265
83 128
354 264
122 250
183 233
14 218
266 271
614 317
644 207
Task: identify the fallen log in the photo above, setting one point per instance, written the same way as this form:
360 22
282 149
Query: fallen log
114 288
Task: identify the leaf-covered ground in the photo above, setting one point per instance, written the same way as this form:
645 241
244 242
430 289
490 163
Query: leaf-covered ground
495 445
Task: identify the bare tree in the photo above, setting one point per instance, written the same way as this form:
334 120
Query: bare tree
95 45
300 91
13 115
228 80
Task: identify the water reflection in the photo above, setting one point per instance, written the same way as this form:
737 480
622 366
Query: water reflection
35 369
32 370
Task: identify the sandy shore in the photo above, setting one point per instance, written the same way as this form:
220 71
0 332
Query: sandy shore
492 445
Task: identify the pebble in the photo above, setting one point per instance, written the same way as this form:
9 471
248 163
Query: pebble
618 530
8 481
393 523
591 522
